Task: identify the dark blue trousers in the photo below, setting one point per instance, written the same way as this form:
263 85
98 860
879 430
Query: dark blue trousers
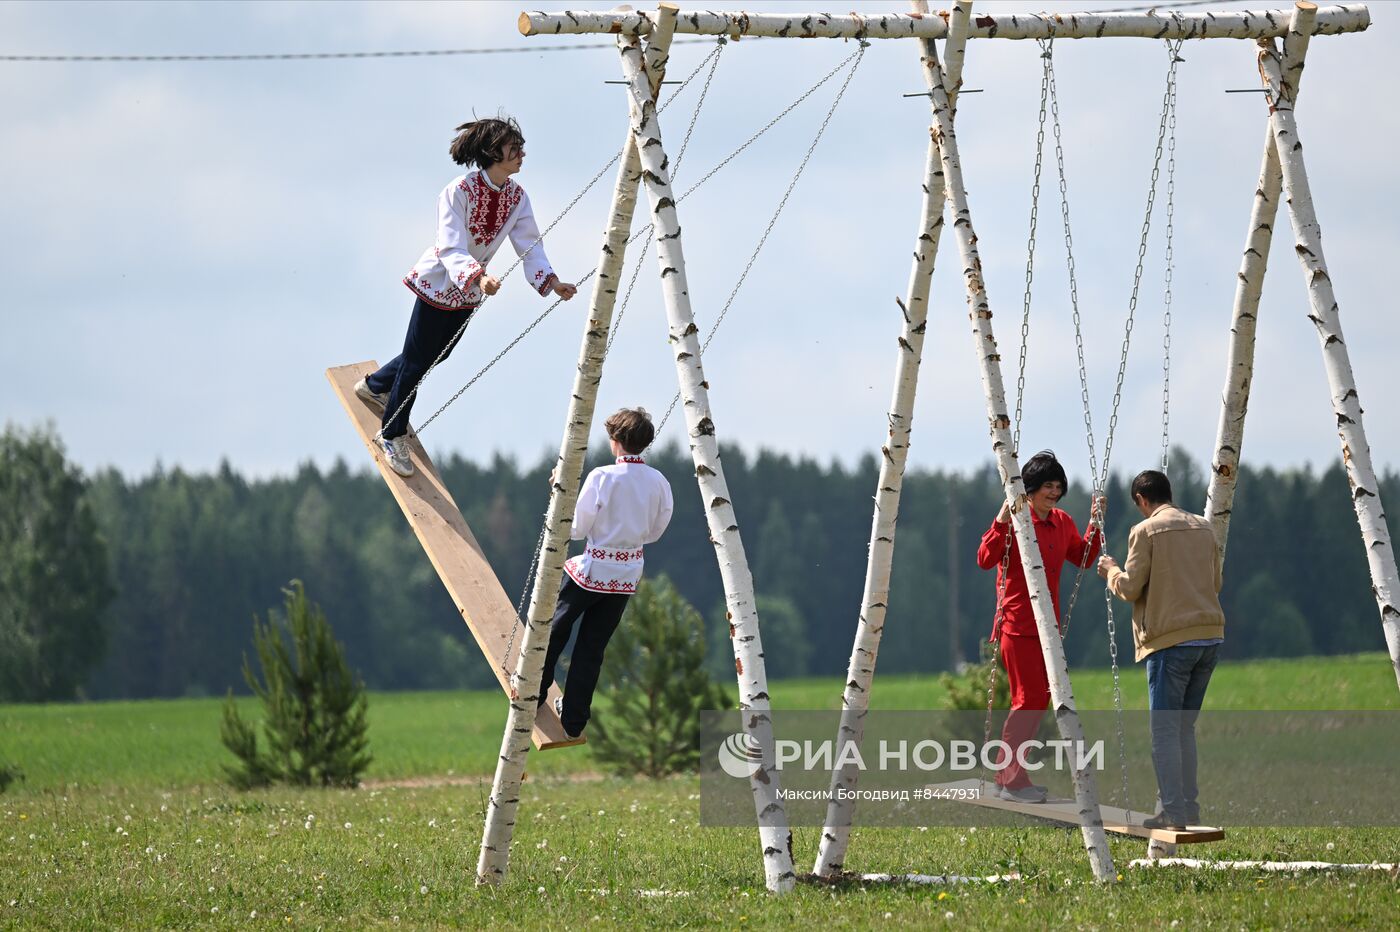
430 331
597 615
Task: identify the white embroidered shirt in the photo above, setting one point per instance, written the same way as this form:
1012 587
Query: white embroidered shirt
474 218
620 508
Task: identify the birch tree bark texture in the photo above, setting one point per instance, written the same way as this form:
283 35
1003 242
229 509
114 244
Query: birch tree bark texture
502 804
1325 315
1150 24
1249 285
774 836
1057 672
860 671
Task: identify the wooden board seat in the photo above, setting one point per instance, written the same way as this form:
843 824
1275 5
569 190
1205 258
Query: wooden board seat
1115 820
450 545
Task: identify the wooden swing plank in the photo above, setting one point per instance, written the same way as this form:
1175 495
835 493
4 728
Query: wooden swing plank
451 546
1115 820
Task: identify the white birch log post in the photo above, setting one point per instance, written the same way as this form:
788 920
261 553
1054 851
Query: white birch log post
504 800
1249 285
1061 695
1346 403
860 672
774 836
1152 24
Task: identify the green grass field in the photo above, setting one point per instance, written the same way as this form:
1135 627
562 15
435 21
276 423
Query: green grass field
122 822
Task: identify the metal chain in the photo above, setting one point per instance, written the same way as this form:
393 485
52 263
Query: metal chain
1004 575
470 315
1167 275
713 58
855 60
1078 339
680 157
1173 50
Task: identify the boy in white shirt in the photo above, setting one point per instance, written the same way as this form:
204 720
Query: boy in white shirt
620 508
477 212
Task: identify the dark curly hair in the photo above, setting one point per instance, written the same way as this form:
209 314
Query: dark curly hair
483 142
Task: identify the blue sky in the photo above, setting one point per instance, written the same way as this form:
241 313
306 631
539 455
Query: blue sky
188 246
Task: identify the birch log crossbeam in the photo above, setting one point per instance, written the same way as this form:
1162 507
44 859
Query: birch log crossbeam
1234 24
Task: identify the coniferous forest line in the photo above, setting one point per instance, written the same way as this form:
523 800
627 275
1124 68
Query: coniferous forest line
194 556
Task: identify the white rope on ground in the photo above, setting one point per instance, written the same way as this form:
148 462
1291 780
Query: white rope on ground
1271 866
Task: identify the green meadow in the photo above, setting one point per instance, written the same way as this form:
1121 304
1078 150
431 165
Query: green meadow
122 822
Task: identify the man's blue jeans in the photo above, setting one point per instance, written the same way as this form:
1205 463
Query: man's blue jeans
1176 686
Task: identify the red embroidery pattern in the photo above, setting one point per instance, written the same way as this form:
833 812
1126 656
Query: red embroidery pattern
631 459
490 208
450 300
617 556
598 585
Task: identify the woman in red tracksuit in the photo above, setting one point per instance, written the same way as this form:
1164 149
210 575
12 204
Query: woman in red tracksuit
1060 543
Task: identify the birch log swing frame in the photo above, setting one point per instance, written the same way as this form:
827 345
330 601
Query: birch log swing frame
644 40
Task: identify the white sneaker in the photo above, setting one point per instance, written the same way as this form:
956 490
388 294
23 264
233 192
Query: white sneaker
396 455
376 401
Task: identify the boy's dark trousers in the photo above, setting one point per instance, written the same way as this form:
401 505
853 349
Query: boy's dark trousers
598 614
430 330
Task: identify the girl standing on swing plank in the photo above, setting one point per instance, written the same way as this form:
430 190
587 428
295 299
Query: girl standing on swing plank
476 213
1060 543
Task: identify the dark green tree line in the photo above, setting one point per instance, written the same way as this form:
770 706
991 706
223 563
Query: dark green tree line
192 557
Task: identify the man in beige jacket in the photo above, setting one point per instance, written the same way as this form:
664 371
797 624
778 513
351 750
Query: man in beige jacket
1172 577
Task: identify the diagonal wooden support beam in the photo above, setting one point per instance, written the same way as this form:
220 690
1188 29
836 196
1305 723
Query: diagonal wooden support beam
860 672
504 800
1249 285
1346 403
774 836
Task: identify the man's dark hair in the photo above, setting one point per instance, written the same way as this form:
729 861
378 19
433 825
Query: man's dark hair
1154 486
632 428
1043 468
483 142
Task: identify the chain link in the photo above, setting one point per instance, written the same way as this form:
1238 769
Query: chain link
1173 53
1167 275
855 60
1004 575
1078 341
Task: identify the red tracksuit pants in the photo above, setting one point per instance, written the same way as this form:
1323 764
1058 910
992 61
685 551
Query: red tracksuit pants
1030 697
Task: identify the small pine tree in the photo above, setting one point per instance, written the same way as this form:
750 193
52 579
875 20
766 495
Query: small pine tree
314 705
966 691
656 685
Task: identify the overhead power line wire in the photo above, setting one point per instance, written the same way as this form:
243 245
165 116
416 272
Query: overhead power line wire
439 53
325 56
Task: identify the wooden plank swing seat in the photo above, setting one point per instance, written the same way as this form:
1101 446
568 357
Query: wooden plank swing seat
452 548
1116 821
